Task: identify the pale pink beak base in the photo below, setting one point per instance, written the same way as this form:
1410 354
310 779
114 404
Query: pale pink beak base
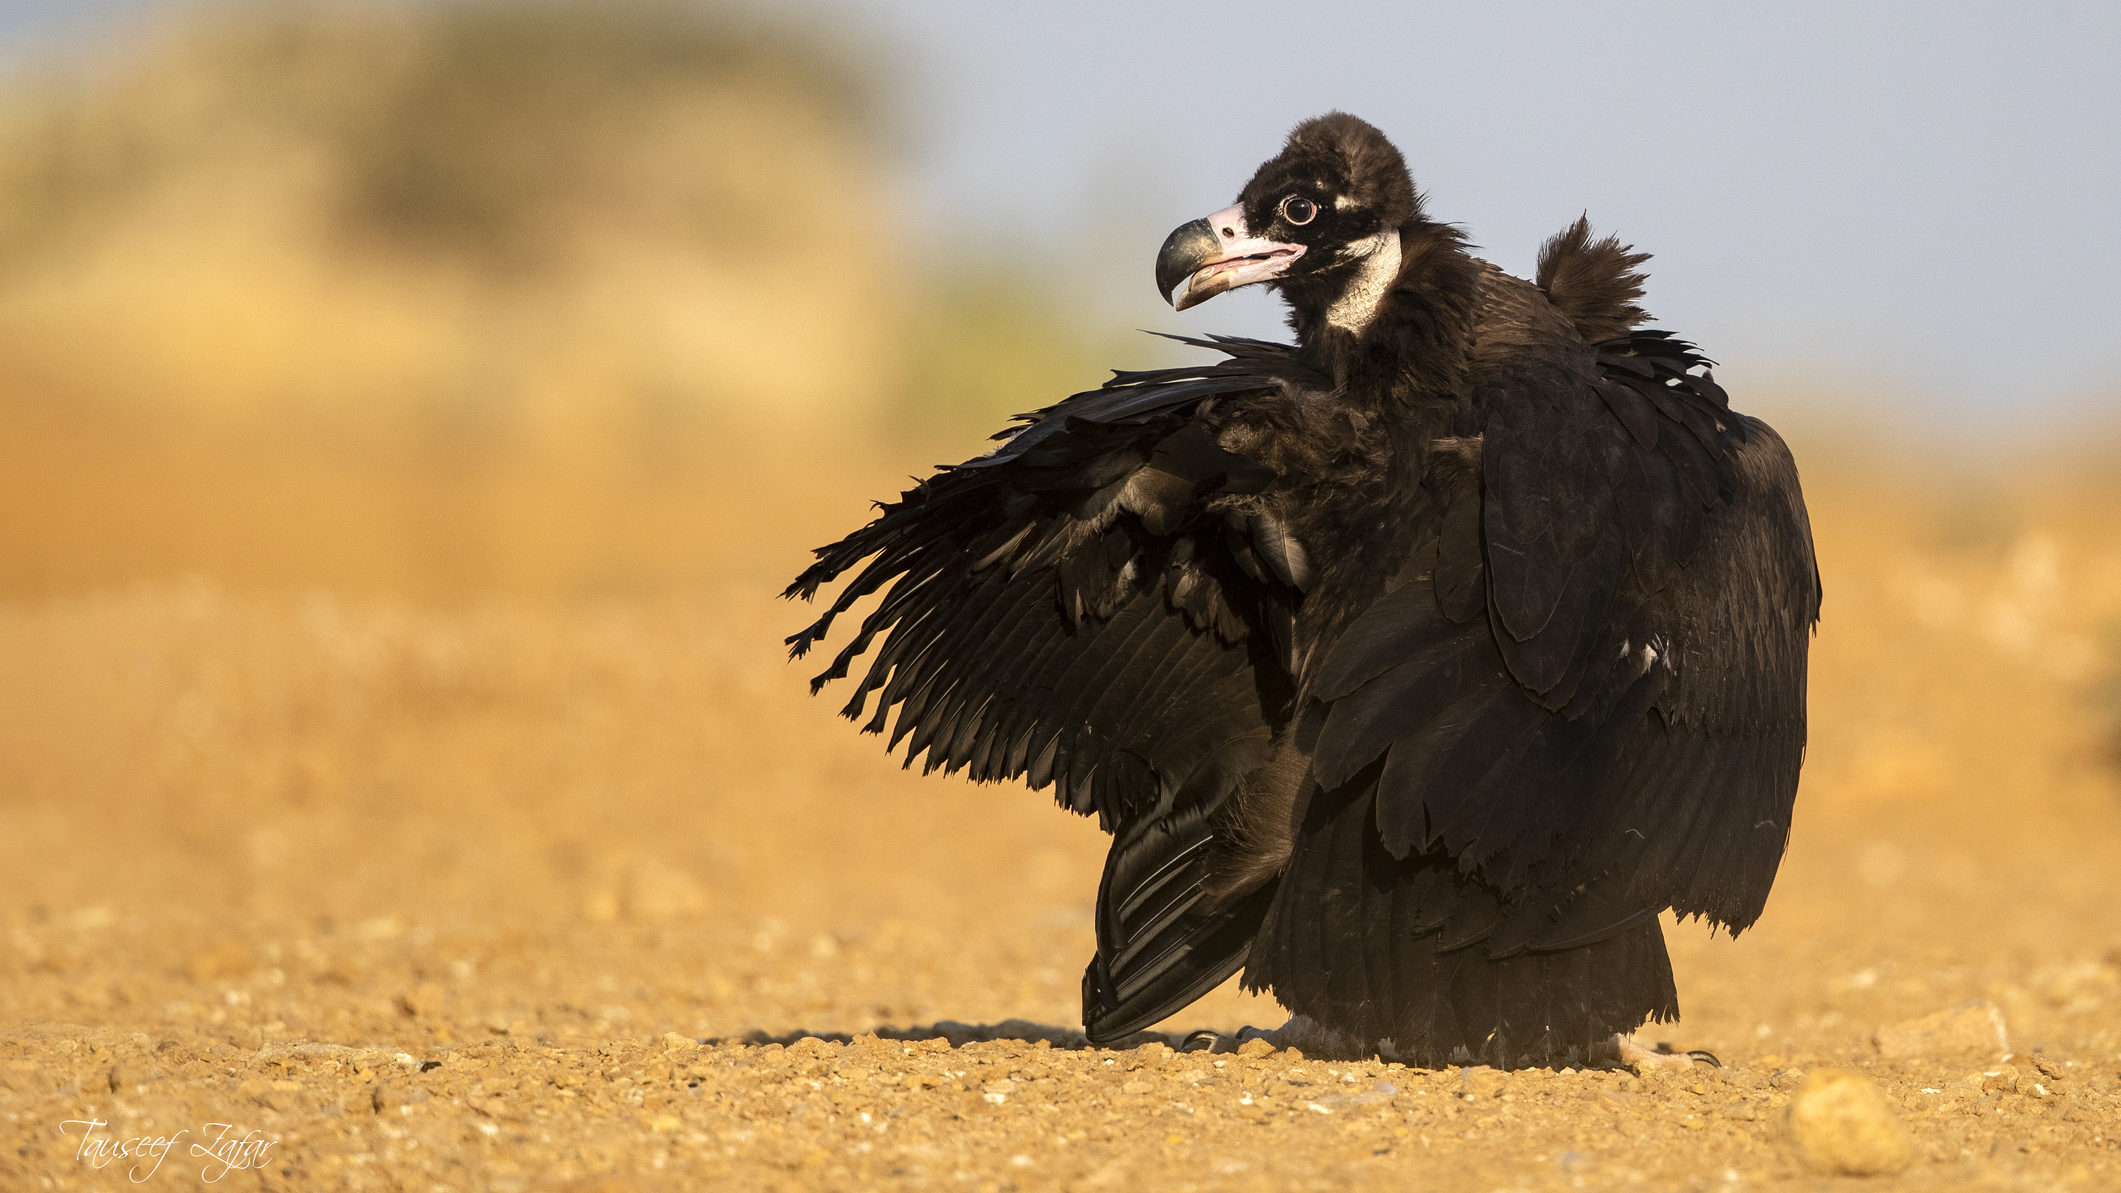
1245 259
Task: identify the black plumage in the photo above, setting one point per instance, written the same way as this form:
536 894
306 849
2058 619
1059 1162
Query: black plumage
1414 667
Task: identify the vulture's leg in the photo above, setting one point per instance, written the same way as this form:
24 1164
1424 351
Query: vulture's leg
1638 1056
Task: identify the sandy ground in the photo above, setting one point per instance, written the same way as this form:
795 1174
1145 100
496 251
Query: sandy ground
426 897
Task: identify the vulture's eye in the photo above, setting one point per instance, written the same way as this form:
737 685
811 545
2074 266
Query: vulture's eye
1298 210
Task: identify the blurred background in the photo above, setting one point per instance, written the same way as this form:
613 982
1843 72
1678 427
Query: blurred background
449 296
409 411
462 297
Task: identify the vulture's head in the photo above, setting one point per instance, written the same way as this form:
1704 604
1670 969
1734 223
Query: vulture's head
1322 217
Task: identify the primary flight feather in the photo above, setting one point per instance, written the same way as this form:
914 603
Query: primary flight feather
1414 667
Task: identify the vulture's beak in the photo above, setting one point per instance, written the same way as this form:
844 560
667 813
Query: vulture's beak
1217 254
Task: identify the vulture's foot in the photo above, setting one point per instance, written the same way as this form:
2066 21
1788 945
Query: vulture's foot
1298 1032
1207 1039
1635 1055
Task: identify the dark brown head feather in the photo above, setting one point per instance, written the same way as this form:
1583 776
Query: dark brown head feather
1376 172
1594 282
1347 156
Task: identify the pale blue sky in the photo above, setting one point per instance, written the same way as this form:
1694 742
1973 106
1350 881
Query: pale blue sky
1914 201
1917 201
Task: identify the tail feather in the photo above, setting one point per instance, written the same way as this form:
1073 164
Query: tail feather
1162 942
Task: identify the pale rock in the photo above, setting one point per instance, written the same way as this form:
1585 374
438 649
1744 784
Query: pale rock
1971 1029
1841 1124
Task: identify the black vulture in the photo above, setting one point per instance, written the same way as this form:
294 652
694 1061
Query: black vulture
1414 667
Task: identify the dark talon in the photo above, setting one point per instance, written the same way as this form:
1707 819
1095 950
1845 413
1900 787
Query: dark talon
1664 1048
1203 1040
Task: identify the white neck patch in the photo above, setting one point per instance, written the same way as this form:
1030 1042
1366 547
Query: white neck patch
1357 305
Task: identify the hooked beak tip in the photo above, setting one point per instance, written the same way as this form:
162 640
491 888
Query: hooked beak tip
1189 247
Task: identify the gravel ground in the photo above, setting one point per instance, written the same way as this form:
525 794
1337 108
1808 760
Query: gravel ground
591 896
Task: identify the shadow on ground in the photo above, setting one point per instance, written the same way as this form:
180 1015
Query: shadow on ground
958 1035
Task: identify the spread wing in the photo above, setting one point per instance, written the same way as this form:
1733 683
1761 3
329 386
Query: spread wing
1582 703
1080 606
1092 605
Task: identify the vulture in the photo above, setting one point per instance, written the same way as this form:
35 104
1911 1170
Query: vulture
1414 667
